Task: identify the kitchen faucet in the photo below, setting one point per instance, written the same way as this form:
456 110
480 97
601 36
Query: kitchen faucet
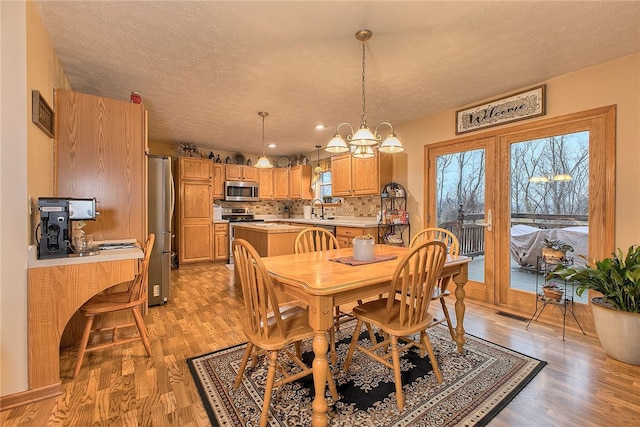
321 206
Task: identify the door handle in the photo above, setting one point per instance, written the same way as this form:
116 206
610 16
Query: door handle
489 221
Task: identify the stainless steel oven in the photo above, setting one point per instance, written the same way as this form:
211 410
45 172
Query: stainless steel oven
236 216
241 191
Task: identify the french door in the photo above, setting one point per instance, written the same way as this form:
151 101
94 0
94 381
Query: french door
506 191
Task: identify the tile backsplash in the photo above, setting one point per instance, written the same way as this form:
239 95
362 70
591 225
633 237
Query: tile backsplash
353 206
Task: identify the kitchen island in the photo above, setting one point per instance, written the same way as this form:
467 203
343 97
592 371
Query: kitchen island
268 238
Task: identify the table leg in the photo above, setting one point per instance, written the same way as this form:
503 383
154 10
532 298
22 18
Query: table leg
460 308
320 370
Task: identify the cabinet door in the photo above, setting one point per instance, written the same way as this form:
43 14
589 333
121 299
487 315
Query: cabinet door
233 172
341 175
221 232
195 168
195 242
365 176
300 182
346 234
249 173
281 183
265 184
100 152
217 183
196 234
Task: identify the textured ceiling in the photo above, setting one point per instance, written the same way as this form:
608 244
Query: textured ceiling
204 69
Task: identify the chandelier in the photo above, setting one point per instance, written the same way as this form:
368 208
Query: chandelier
362 142
263 162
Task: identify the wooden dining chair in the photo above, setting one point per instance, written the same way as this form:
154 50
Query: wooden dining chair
268 326
405 314
131 299
315 239
440 292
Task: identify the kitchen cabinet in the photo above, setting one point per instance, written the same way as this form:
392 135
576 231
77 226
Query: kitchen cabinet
351 176
300 182
217 183
100 151
265 184
241 173
195 210
268 240
346 234
280 183
221 239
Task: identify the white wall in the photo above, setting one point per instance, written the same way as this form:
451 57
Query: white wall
14 227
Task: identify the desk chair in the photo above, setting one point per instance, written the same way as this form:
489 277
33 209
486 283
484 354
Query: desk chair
440 292
268 326
131 299
412 285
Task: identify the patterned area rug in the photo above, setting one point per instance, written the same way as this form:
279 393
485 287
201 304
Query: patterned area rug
477 385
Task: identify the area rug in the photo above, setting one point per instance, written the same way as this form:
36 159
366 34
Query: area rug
477 385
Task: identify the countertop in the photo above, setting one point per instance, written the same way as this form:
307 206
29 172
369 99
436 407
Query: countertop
102 256
269 227
353 221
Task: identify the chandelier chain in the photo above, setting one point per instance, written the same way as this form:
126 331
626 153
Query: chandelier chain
363 118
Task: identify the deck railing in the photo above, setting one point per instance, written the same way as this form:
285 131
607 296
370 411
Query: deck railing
471 235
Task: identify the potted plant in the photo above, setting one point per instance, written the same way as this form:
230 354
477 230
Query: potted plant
555 251
552 291
616 313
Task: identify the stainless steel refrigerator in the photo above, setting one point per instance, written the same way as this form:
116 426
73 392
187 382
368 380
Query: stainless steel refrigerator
161 203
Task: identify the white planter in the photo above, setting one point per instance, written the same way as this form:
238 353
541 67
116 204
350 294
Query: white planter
619 333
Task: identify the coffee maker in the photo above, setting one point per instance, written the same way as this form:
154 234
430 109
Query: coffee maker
56 217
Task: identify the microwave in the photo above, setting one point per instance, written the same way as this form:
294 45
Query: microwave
241 191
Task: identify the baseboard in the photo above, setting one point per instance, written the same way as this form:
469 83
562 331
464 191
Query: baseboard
29 396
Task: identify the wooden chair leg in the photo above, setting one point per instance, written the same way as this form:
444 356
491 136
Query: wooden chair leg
432 357
83 345
243 364
352 346
446 316
142 330
336 321
395 355
271 374
332 385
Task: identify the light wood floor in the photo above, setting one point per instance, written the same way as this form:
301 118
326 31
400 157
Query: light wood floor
580 386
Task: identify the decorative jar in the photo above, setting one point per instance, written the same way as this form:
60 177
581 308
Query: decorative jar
363 248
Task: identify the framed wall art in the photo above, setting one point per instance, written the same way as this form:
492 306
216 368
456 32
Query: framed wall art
41 113
519 106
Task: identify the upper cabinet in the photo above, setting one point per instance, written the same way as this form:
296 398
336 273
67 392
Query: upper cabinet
241 173
217 183
351 176
300 182
101 148
265 184
194 168
280 183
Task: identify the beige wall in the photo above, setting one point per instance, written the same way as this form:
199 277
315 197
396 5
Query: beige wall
44 73
26 170
615 82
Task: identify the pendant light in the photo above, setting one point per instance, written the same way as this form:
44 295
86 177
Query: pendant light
362 142
318 168
263 162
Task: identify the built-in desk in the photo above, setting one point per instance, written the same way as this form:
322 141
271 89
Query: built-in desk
56 289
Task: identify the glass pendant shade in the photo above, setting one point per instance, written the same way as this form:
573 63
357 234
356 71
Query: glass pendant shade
391 145
337 145
363 152
264 163
363 137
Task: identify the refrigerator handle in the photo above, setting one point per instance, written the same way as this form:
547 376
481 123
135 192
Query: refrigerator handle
173 197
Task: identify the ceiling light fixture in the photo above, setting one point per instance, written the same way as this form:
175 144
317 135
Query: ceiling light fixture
263 162
362 142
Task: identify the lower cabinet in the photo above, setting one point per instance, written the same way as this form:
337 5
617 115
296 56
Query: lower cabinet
221 239
346 234
195 243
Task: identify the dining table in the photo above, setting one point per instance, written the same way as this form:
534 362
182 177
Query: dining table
325 279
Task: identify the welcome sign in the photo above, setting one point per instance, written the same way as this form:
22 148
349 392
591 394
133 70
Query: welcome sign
519 106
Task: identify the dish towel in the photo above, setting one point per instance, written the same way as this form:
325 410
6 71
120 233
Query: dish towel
376 258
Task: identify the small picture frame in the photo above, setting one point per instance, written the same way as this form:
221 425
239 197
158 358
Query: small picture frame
41 113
